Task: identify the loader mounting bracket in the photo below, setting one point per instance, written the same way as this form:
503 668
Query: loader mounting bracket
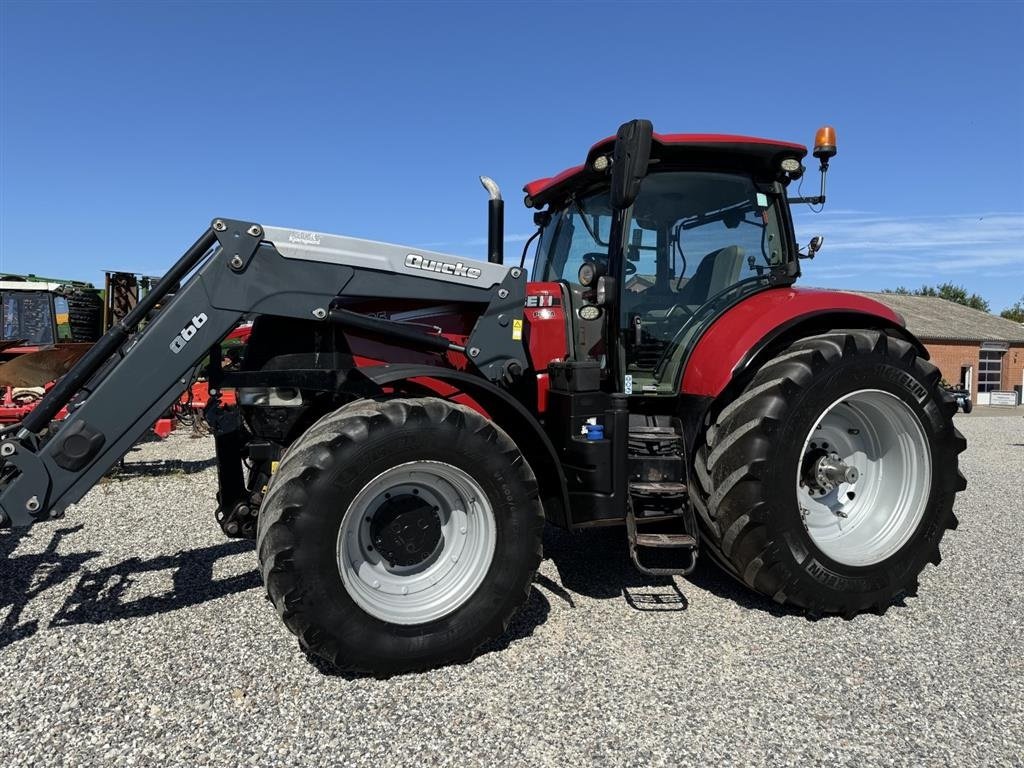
495 345
239 239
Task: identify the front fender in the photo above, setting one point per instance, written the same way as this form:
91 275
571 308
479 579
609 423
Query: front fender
498 406
747 329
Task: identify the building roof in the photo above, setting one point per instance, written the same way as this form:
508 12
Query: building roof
933 319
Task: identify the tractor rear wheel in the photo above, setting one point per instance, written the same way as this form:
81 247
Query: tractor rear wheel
400 535
829 481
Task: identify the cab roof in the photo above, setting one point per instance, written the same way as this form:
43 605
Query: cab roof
708 149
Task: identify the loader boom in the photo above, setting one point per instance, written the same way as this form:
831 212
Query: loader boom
132 375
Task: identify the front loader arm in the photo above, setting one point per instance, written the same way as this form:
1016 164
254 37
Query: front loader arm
123 384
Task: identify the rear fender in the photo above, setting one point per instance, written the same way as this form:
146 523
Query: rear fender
751 331
493 403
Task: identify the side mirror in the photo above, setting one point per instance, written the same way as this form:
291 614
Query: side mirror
815 245
629 161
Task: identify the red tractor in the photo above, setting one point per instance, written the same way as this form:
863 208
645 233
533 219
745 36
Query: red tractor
407 421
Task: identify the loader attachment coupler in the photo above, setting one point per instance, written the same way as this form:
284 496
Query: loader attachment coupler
119 388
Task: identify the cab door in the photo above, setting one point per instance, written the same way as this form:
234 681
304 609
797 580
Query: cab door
698 242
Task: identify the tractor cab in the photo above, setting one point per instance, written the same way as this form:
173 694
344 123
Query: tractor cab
709 225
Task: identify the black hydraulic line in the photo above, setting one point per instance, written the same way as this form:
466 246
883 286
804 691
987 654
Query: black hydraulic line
387 329
61 394
526 245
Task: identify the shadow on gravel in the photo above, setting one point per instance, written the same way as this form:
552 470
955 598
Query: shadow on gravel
595 563
159 468
24 577
99 595
527 619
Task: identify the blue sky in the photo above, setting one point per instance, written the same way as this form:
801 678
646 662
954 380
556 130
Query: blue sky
125 128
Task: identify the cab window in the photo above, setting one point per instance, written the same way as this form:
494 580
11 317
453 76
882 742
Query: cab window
578 232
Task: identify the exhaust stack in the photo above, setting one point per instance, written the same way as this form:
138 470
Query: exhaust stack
495 221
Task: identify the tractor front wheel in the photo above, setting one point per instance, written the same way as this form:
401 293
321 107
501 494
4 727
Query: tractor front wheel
829 481
400 535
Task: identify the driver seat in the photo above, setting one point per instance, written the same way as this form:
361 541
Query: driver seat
716 272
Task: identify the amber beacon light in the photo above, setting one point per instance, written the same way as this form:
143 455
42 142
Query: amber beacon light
824 150
825 143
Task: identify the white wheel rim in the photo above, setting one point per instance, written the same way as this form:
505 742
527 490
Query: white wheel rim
453 569
880 437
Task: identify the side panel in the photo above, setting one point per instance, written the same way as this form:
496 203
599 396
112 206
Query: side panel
546 332
385 257
745 326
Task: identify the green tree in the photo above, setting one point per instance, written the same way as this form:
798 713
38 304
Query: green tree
1015 313
947 291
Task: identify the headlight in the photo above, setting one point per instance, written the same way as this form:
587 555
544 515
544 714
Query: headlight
587 274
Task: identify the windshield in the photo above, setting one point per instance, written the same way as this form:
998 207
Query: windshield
690 214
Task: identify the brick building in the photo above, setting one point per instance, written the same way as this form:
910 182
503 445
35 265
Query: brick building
983 353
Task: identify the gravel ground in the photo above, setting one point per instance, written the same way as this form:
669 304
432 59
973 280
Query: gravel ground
131 632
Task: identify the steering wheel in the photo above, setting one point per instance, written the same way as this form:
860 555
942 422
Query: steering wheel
629 268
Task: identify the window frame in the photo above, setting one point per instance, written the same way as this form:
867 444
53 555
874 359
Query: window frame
990 363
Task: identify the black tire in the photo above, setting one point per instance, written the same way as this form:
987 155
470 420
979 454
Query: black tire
747 497
316 481
968 405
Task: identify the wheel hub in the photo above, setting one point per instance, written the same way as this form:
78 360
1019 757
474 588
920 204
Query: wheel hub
864 477
822 471
416 542
831 470
406 529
